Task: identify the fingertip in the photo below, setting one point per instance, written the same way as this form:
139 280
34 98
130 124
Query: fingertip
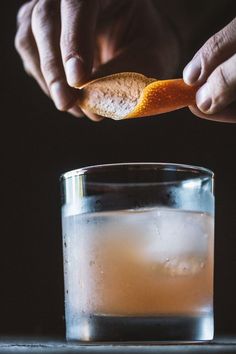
198 113
76 112
192 72
94 117
75 72
209 117
226 116
62 95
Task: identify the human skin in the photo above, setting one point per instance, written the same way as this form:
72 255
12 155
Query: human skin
213 69
64 43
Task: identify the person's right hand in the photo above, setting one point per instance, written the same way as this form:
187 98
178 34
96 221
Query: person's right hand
64 43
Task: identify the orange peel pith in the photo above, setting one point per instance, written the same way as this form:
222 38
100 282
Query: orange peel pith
131 95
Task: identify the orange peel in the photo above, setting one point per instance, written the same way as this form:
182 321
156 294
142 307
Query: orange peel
132 95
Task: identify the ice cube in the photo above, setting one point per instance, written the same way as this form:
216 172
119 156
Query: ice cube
182 266
176 234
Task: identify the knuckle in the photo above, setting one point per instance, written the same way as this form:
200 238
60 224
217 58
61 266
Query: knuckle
22 42
73 4
43 10
68 51
220 87
233 23
69 45
214 45
25 11
67 36
22 13
222 78
48 66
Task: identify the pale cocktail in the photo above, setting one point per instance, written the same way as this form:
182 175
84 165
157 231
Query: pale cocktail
142 273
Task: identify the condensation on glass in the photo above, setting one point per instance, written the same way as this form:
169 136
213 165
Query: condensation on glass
138 244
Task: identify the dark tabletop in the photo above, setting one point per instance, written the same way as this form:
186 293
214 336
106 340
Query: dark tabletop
21 345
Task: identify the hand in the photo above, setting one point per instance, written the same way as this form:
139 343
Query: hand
214 69
67 42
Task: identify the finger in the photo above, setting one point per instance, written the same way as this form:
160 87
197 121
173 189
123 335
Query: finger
78 24
216 50
219 90
145 63
46 30
76 112
228 115
26 47
25 12
94 117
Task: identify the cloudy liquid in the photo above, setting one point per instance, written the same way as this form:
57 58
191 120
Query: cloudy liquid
139 275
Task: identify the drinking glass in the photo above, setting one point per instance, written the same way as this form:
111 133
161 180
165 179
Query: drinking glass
138 241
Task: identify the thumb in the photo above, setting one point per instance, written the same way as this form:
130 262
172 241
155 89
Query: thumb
219 91
227 115
216 50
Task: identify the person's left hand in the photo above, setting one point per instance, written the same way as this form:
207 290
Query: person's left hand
66 43
214 69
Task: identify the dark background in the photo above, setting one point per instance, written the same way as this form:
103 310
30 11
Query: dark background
38 143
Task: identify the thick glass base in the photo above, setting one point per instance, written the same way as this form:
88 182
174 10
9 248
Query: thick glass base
104 328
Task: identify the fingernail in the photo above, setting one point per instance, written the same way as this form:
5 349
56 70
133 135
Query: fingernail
74 69
192 71
203 99
61 95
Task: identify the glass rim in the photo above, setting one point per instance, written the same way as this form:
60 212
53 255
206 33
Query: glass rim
165 166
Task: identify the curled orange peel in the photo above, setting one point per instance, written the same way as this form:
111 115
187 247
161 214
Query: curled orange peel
132 95
163 96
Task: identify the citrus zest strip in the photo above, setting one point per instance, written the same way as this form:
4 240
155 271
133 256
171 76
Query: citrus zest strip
163 96
132 95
